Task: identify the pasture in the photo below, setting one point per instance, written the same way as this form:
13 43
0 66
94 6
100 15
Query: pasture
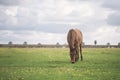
54 64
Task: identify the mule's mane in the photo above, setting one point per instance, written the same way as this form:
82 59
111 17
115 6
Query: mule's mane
71 38
75 43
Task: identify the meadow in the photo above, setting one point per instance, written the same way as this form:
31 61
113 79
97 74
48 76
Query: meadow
54 64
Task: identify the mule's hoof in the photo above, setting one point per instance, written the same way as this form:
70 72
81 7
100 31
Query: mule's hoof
72 62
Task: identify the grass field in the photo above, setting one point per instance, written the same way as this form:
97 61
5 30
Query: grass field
54 64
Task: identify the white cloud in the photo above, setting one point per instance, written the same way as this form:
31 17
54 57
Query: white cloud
11 11
103 35
47 21
32 37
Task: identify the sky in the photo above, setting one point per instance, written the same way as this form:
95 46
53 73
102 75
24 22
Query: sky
48 21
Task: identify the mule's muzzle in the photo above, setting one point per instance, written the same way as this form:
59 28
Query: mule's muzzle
72 62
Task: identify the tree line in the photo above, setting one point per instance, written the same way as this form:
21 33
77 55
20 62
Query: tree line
58 45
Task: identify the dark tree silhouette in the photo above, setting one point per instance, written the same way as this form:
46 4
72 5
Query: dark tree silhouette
10 43
25 43
119 44
95 42
83 43
57 44
108 44
39 43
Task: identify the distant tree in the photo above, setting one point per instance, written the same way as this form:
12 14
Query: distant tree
83 43
57 44
39 43
65 45
108 44
119 44
25 43
10 43
95 42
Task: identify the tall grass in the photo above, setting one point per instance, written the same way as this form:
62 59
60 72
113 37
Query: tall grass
54 64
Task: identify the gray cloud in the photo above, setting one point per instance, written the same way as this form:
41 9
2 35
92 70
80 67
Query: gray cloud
10 2
114 19
48 27
112 4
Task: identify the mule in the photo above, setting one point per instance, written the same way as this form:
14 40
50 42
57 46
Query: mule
74 39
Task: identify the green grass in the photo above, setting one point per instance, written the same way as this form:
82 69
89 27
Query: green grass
54 64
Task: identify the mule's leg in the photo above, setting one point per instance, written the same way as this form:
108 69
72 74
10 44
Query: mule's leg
77 55
81 52
70 56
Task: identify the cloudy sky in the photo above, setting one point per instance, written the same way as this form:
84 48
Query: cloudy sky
48 21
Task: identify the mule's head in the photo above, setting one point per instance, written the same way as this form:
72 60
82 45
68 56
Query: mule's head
72 55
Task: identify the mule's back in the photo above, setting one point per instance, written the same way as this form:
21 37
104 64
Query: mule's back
71 38
79 37
74 37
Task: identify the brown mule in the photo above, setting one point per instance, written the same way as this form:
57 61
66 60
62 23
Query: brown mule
74 39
